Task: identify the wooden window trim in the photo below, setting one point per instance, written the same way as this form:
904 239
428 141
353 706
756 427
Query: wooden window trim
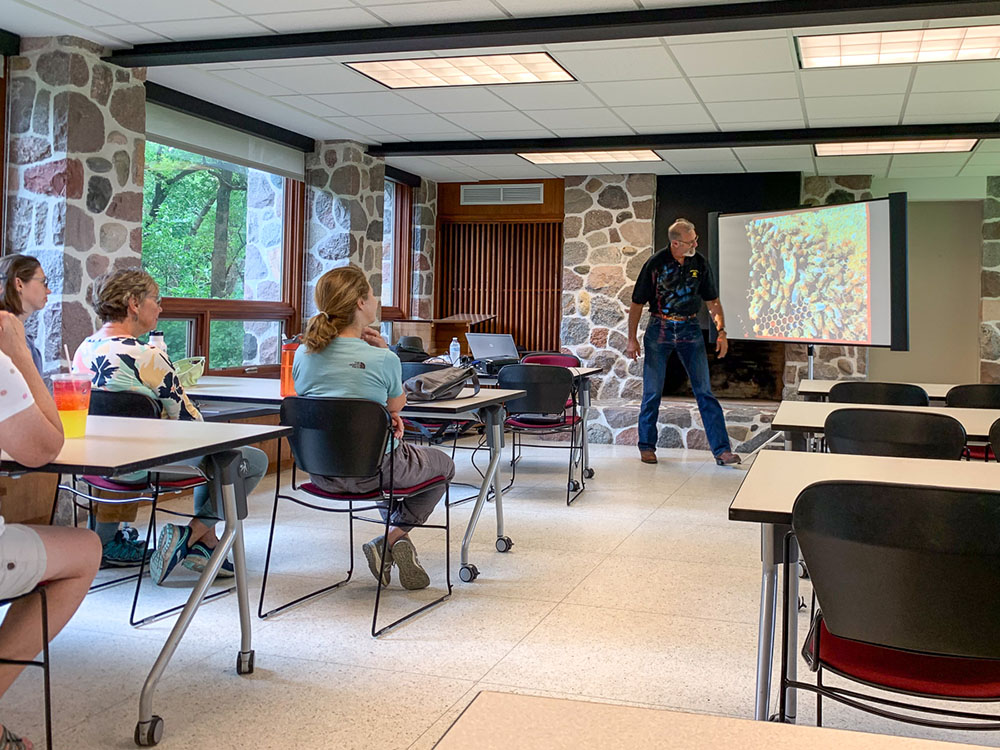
402 250
289 310
4 105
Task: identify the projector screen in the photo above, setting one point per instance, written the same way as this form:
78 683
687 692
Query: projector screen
824 275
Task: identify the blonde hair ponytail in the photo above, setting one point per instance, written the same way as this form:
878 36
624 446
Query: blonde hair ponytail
337 295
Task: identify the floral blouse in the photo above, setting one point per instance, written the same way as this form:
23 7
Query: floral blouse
123 363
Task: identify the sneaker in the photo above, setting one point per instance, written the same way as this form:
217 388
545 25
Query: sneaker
123 551
171 548
197 560
373 552
411 574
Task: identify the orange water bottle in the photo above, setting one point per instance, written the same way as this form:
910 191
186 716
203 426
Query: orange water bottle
287 357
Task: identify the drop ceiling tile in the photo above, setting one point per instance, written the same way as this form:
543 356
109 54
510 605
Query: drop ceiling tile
413 124
596 117
132 34
324 78
679 155
200 28
637 93
359 126
667 129
559 7
482 122
763 125
378 103
895 171
618 64
176 10
930 160
546 95
988 144
459 99
720 37
527 172
949 103
839 165
987 159
709 167
978 171
248 80
249 7
674 117
949 118
857 28
835 122
603 44
440 11
763 153
486 162
643 167
748 87
888 79
779 165
610 130
537 132
562 170
959 76
830 107
310 105
768 109
759 56
75 10
451 135
317 20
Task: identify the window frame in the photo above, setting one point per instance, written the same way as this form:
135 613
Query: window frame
402 252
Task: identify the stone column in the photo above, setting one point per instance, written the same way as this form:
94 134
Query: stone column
344 202
989 306
77 152
424 247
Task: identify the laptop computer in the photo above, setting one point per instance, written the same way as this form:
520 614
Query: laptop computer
492 346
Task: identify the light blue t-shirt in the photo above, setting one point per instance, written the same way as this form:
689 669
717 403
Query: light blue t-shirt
348 368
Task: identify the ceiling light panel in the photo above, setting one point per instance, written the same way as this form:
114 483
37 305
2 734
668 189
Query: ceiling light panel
952 145
590 157
900 47
531 67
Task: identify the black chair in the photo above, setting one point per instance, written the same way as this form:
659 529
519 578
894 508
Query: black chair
139 406
867 392
543 411
886 432
345 437
995 438
976 396
38 591
905 578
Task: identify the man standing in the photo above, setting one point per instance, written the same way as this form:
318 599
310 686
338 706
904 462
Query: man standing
674 282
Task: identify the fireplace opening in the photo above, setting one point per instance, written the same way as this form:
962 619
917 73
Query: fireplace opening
751 370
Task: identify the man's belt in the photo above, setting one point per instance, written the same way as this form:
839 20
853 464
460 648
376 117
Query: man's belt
675 318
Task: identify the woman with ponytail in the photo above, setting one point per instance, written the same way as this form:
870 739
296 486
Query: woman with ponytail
342 357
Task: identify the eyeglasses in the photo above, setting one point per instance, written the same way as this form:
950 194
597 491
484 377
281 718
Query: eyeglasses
43 279
689 242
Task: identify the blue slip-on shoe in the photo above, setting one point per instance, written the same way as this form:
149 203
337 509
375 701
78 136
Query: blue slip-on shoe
170 550
122 552
197 560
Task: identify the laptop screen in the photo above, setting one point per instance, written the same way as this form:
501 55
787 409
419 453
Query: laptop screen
492 345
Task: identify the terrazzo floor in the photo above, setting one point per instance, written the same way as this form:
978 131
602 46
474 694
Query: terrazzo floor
642 593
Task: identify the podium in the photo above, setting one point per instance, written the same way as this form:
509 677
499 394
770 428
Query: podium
438 333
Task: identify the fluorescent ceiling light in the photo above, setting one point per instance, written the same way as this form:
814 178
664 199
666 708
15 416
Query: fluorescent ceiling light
896 147
533 67
895 47
590 157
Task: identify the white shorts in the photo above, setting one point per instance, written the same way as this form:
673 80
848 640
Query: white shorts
22 560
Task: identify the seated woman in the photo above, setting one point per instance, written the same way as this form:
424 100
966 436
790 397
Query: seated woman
128 302
65 558
24 290
342 357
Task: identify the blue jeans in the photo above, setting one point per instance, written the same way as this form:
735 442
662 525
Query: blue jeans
663 337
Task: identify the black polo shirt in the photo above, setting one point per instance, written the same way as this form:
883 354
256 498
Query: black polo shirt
673 288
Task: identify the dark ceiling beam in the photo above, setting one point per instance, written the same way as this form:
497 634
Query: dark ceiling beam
192 105
10 43
683 21
733 139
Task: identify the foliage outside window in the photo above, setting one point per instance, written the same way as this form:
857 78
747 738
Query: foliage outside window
397 233
214 240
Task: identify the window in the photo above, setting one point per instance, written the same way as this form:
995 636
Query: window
224 243
397 234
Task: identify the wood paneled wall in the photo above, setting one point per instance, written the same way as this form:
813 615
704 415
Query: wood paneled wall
508 268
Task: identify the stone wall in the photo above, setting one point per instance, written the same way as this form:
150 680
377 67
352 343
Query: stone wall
265 236
77 152
424 246
989 306
344 200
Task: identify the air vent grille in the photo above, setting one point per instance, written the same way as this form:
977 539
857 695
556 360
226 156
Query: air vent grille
494 195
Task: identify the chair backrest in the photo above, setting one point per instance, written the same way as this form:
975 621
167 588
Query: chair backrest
867 392
547 388
337 437
906 567
995 438
974 396
550 358
122 404
886 432
412 369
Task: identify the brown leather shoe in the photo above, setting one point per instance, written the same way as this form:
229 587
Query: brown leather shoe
648 457
727 459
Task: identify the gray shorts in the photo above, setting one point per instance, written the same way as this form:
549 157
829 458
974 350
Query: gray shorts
22 560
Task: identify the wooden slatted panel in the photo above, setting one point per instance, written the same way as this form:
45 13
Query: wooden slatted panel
510 269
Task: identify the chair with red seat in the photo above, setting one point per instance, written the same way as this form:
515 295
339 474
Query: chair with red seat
905 579
558 359
543 411
434 431
345 437
976 396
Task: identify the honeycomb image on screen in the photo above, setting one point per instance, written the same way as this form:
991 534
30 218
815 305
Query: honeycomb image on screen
809 275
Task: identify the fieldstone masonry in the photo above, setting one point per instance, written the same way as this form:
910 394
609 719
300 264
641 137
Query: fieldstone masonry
77 152
989 306
424 245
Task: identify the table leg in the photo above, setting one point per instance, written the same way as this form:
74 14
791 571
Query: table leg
491 478
584 413
765 628
792 623
149 729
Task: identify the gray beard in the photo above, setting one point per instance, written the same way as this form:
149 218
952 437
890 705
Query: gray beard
690 253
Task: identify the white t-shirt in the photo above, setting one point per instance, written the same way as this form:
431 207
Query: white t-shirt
15 396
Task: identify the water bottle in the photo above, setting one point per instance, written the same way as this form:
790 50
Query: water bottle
156 339
287 382
455 352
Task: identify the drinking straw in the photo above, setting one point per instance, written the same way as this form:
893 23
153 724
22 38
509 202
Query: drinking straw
69 362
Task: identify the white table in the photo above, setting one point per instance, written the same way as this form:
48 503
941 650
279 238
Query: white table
498 721
768 493
487 406
118 445
821 388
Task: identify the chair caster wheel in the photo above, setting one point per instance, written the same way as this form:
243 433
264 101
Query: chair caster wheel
803 571
244 662
468 573
149 733
504 544
588 473
574 485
